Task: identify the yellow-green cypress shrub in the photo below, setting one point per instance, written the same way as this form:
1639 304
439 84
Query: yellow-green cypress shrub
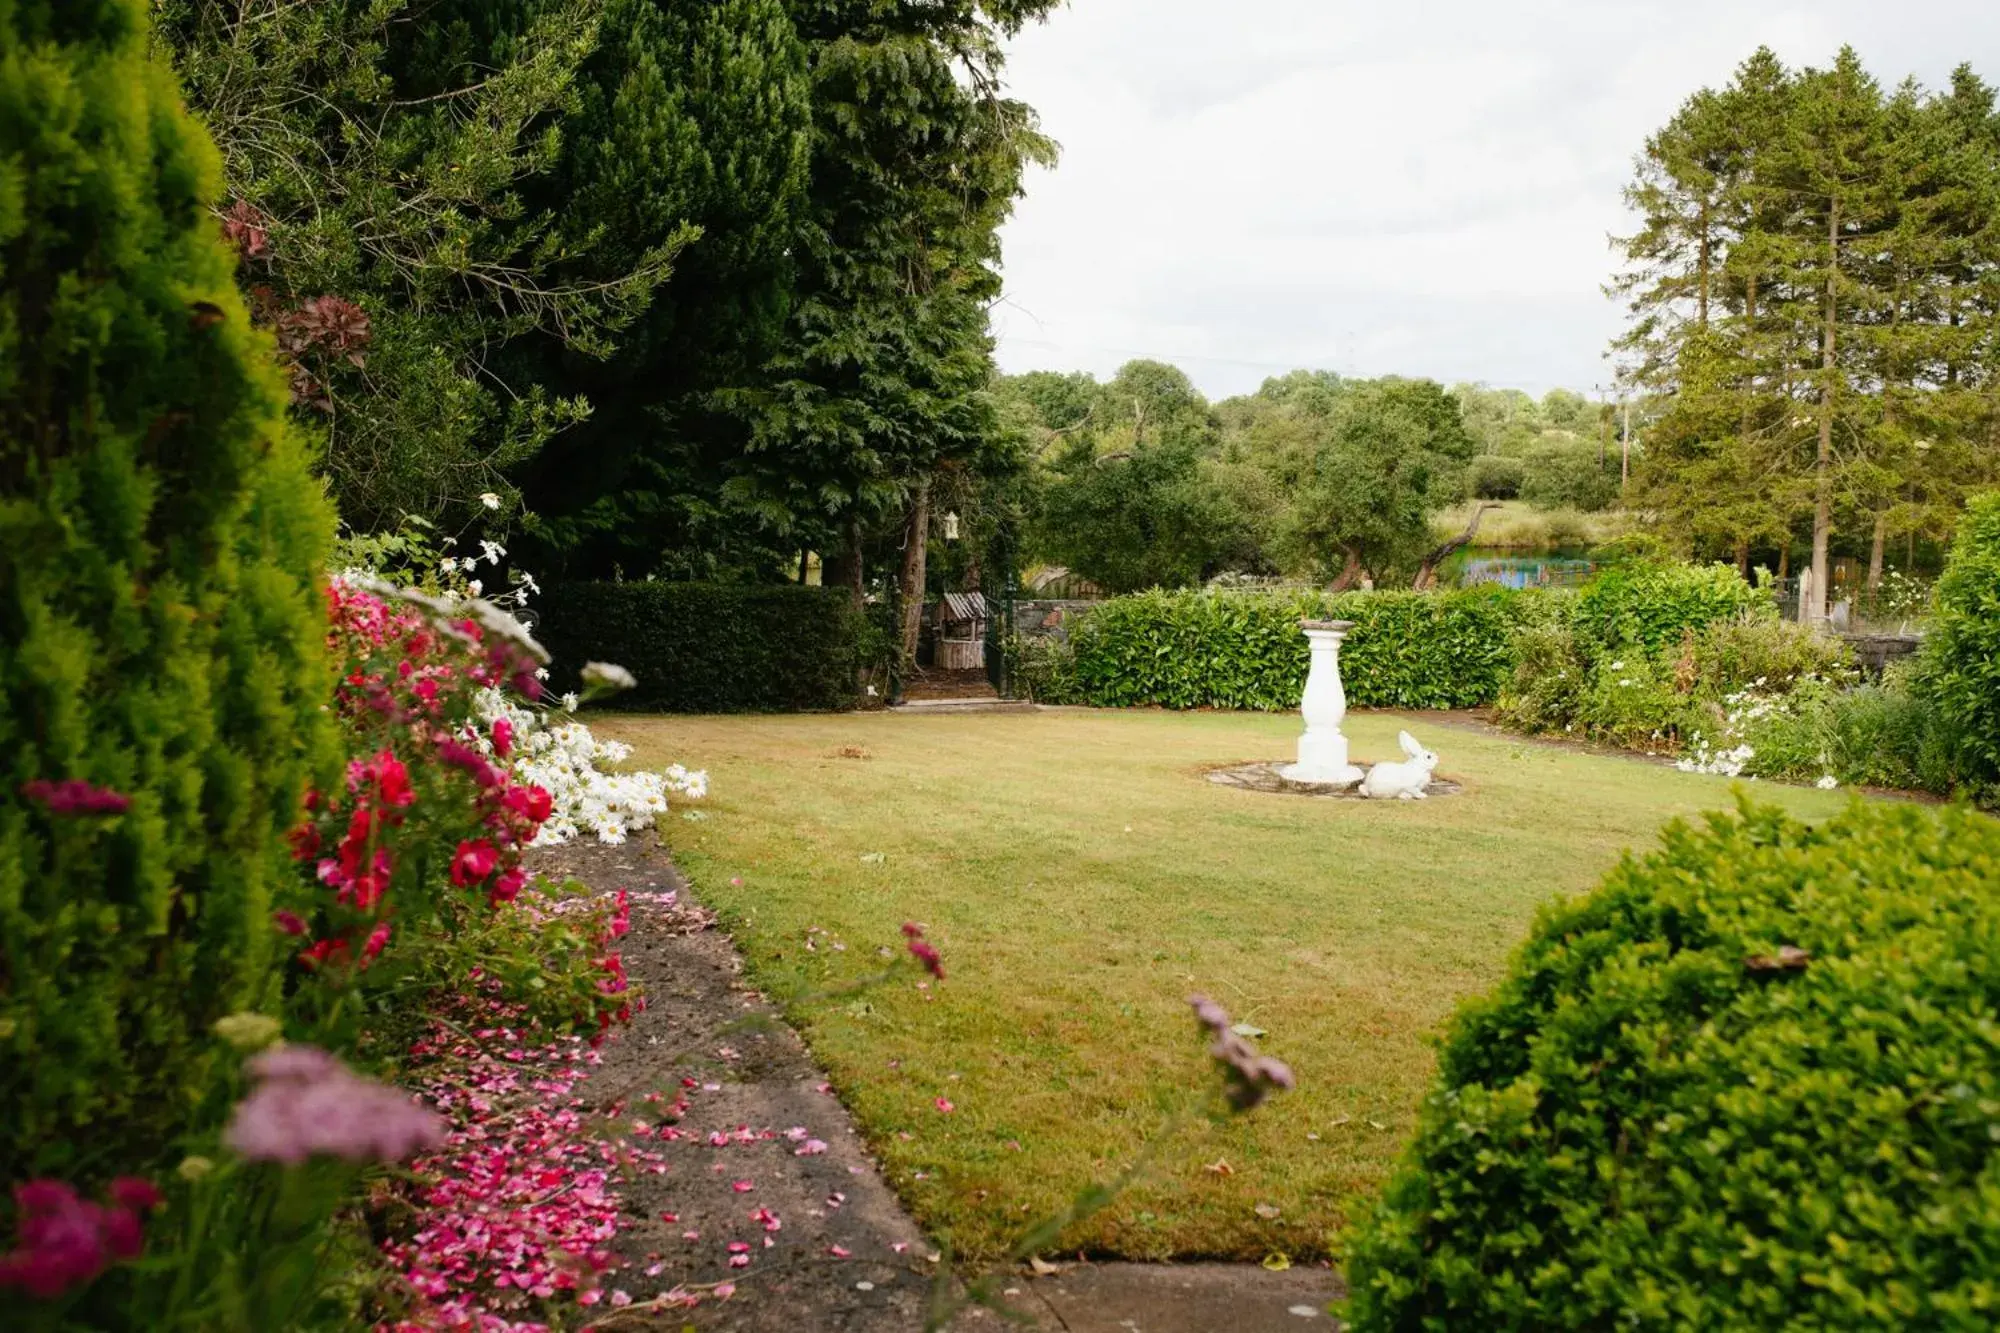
160 620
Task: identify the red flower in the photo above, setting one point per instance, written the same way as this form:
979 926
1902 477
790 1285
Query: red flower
289 922
392 780
320 953
531 803
473 862
508 887
136 1193
503 737
377 939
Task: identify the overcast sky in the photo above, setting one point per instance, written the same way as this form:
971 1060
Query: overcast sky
1421 187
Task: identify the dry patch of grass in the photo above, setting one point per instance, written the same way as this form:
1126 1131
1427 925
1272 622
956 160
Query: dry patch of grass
1082 878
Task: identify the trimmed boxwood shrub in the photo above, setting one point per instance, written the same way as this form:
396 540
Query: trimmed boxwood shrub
710 647
1961 663
1751 1082
1234 650
161 619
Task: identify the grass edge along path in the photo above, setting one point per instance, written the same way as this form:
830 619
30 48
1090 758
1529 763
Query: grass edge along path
1082 878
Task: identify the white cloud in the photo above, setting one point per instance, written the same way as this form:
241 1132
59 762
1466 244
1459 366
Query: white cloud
1422 187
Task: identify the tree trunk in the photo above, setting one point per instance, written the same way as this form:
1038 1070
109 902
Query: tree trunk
1785 558
1743 557
1875 551
1704 264
1427 574
1350 574
1823 463
847 569
910 579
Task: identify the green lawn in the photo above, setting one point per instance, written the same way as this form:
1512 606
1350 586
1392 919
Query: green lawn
1082 877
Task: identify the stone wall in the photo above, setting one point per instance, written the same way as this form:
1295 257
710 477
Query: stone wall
1044 619
1875 651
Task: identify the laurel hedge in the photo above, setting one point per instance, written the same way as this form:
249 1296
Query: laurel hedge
1960 668
710 647
1244 650
1751 1082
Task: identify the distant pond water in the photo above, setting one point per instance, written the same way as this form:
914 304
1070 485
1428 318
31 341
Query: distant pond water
1512 568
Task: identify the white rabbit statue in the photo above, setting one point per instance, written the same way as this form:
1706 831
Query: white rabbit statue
1405 779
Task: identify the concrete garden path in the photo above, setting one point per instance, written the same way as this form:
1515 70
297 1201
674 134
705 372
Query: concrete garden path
770 1189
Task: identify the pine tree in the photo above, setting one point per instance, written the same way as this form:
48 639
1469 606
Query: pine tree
160 615
1811 295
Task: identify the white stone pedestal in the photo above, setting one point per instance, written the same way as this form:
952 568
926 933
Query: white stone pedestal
1323 749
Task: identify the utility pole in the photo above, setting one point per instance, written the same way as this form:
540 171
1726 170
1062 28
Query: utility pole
1625 451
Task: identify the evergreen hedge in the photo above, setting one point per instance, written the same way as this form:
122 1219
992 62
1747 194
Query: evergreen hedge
161 618
1651 605
1751 1082
1244 650
1960 668
709 647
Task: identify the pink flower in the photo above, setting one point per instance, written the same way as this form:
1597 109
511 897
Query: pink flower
291 923
64 1241
473 862
945 1106
503 737
377 939
922 950
724 1290
308 1104
743 1187
460 755
74 796
1247 1076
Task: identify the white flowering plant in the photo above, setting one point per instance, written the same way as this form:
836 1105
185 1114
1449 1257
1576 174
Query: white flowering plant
564 758
547 749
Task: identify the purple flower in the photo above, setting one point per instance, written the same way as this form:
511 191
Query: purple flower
308 1104
1248 1076
74 796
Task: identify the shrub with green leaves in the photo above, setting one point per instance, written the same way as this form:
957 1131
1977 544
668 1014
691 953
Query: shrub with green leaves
1652 604
161 664
1568 476
711 647
1750 1082
1493 477
1961 660
1233 650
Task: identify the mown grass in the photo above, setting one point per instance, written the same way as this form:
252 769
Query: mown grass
1082 878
